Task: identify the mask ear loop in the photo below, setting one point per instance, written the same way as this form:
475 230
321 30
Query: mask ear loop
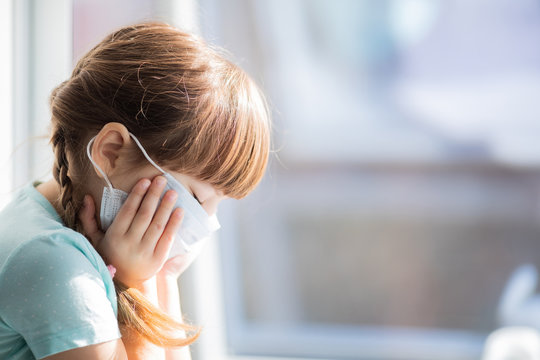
96 165
145 154
103 173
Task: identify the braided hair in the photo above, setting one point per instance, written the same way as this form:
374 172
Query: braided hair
69 204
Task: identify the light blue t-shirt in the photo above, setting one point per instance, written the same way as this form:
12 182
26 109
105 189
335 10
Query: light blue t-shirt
56 293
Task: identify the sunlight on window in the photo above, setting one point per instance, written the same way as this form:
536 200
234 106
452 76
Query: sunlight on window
6 100
407 171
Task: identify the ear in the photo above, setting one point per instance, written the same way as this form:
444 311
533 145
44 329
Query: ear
109 145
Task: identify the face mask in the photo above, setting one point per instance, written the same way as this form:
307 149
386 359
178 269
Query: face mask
197 226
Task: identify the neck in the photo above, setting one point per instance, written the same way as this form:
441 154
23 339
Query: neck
51 191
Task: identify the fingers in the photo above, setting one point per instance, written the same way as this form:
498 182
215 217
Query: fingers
129 209
141 235
161 217
148 207
87 216
165 241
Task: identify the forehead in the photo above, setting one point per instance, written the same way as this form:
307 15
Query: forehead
193 184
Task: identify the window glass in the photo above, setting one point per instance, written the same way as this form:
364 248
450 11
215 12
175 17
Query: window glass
404 191
6 101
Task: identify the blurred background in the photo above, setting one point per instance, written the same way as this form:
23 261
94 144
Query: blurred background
403 193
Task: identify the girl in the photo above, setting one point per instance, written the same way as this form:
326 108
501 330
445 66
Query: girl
149 108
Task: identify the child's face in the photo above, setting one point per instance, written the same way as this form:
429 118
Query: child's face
207 195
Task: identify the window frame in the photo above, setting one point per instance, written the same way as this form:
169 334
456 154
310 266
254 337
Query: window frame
6 98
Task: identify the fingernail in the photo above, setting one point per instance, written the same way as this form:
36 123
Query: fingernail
161 180
171 195
85 201
145 184
178 213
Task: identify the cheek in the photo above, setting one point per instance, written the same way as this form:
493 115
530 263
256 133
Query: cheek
129 178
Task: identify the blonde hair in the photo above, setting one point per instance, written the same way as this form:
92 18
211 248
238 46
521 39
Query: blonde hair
194 112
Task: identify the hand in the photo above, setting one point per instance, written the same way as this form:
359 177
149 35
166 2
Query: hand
139 240
175 266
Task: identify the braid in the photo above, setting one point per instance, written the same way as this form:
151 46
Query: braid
60 173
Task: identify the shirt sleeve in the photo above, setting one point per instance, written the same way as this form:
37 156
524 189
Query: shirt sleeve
56 297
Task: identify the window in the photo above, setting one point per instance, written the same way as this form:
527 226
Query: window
407 175
407 172
6 100
41 49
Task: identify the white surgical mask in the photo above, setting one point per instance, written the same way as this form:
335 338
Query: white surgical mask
197 226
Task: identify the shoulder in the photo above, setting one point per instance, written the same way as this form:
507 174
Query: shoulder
58 249
58 294
28 221
61 261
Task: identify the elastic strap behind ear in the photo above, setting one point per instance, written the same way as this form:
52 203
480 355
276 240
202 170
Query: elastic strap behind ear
96 165
145 154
